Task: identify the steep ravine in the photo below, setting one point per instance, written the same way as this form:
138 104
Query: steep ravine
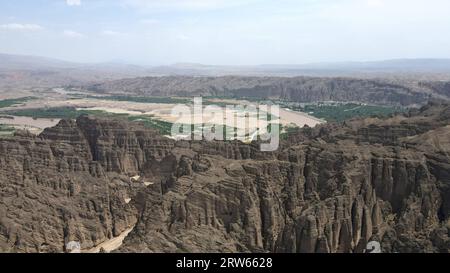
330 192
328 189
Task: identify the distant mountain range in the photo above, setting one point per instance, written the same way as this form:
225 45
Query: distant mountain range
378 68
18 71
21 62
399 66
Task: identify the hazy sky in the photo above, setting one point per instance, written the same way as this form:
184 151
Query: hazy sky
226 31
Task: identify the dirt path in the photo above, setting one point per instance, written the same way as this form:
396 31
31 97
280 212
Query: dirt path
110 245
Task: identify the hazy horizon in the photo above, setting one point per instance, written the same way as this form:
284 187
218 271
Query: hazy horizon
219 32
308 65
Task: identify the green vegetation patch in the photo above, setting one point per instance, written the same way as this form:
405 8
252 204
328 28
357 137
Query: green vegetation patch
73 113
342 112
6 130
12 102
161 100
329 111
163 127
58 112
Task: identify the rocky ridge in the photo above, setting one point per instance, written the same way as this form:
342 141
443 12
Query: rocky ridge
297 89
327 189
71 183
331 190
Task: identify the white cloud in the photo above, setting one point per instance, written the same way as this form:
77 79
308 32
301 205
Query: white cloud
73 2
73 34
21 27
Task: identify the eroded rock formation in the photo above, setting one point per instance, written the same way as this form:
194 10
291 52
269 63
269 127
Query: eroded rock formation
71 183
333 191
298 89
328 189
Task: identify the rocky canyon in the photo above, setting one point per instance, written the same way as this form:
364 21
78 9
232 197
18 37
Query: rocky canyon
329 189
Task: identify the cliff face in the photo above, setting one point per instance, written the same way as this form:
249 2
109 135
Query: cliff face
315 199
440 87
333 191
328 189
299 89
71 183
